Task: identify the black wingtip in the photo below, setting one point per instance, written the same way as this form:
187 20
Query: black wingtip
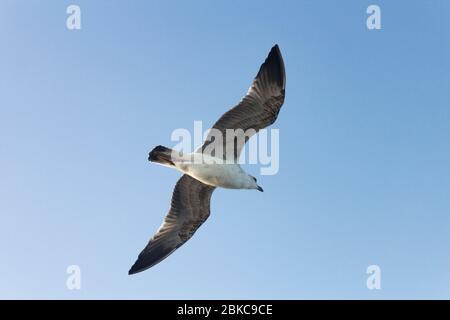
143 263
275 52
152 254
132 271
137 267
275 61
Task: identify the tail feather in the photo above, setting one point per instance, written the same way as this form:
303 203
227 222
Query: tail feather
161 155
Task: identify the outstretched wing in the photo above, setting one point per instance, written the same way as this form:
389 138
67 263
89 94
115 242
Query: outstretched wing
257 110
188 210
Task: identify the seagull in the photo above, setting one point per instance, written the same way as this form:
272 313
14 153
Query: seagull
215 163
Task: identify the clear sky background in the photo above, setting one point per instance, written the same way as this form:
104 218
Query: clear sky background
364 148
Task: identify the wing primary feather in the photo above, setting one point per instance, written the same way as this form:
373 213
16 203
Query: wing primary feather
258 109
190 207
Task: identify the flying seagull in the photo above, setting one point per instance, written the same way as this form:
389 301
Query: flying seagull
204 171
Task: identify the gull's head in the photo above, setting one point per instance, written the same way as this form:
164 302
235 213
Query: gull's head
252 184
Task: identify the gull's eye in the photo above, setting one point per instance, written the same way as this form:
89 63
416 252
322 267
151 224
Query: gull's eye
254 179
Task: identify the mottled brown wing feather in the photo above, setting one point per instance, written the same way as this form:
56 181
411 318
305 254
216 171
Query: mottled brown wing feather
190 207
257 110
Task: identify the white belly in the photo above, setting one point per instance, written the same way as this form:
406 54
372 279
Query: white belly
219 175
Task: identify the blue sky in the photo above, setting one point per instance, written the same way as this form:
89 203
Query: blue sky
364 148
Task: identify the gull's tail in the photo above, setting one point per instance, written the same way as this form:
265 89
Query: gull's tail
161 155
